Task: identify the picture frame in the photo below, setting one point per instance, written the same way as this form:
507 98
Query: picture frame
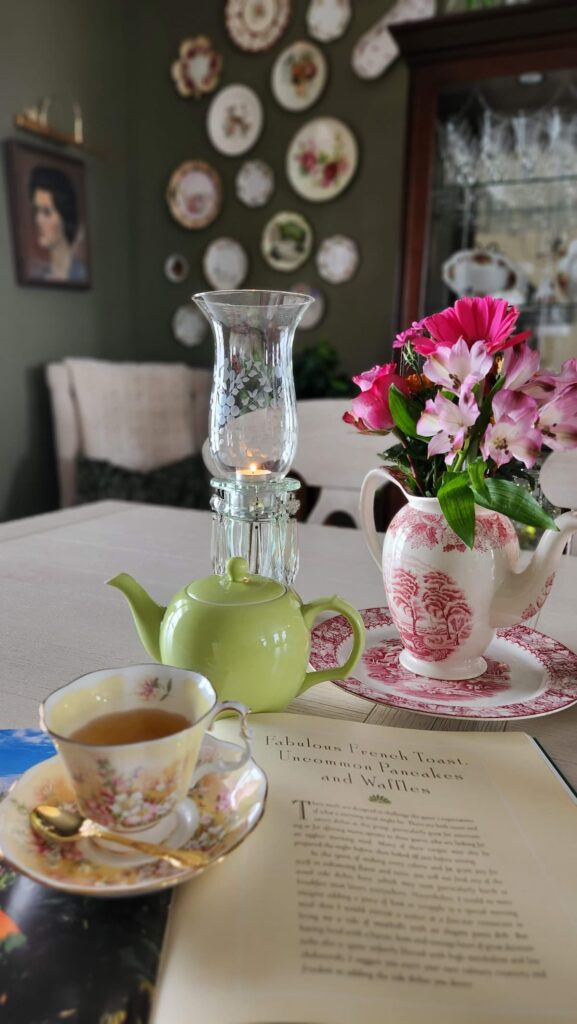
47 198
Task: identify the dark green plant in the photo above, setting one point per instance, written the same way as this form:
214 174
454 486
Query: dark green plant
318 374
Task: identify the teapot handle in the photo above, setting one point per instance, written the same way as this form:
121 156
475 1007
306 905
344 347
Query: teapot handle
310 612
374 479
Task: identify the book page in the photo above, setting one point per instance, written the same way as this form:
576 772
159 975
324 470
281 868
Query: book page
397 875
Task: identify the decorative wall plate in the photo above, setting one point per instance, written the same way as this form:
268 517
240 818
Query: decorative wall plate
528 674
176 268
225 263
376 49
322 159
235 119
189 326
255 183
483 272
299 76
197 69
287 241
230 806
256 25
337 259
328 19
316 311
194 194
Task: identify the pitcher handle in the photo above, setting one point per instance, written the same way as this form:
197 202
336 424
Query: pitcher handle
310 612
374 479
224 765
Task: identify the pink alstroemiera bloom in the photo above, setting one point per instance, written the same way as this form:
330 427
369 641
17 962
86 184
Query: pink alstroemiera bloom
558 420
514 406
458 368
370 410
520 365
476 319
447 423
513 434
545 385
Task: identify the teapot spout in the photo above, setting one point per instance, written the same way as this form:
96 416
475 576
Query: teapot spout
522 594
146 613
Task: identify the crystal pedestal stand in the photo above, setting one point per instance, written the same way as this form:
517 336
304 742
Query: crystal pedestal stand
256 521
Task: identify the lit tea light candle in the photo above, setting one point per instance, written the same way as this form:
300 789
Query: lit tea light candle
253 472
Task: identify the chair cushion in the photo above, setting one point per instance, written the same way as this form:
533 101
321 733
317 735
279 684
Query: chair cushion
185 483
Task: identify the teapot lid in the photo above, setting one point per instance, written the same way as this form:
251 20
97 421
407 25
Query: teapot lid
237 586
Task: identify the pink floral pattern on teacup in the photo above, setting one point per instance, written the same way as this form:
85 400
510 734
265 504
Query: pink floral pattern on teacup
134 799
154 689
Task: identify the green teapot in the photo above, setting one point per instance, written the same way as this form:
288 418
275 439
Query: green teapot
249 635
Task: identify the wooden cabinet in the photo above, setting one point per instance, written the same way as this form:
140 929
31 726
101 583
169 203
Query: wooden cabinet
517 60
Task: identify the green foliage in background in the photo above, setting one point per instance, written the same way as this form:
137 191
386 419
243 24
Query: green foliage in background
318 374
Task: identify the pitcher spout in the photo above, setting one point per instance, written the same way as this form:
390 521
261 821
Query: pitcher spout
146 613
522 594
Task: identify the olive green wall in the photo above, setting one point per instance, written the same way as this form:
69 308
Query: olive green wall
66 49
165 129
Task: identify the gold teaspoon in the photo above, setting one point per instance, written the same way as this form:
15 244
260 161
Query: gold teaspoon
60 826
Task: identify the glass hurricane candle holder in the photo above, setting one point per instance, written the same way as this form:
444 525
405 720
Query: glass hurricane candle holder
253 422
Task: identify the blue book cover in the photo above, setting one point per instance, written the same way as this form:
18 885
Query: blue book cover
69 958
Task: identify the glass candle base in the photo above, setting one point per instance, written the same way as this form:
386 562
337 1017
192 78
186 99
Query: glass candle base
256 521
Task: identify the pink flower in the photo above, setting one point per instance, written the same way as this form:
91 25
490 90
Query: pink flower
307 160
558 420
458 368
513 435
515 407
545 385
448 421
476 319
370 410
413 333
520 364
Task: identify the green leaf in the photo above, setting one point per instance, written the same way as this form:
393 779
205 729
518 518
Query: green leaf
476 472
456 500
506 497
405 412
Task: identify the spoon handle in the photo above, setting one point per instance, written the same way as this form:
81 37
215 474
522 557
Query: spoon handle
190 858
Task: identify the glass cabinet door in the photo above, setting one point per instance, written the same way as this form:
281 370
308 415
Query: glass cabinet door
503 209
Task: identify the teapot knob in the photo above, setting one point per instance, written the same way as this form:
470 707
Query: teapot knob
237 570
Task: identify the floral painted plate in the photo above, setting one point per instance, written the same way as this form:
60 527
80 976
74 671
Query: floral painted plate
225 264
255 183
328 19
194 194
197 69
287 241
235 119
189 326
337 259
256 25
225 809
299 76
528 674
322 159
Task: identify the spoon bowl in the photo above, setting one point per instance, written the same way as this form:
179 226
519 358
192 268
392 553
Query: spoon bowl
57 825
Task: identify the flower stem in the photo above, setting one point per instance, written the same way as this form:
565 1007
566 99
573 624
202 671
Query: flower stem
403 440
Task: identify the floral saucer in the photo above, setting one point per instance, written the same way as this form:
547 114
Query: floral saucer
225 808
528 674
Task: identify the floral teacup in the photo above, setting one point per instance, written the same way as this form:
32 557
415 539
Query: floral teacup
136 787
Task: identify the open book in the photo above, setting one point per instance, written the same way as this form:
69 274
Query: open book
397 876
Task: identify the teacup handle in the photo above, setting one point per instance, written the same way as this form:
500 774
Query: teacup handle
310 612
374 479
223 765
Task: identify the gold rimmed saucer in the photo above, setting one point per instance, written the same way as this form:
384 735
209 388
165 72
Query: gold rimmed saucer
228 807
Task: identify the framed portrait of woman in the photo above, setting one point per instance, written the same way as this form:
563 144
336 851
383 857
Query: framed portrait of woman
49 218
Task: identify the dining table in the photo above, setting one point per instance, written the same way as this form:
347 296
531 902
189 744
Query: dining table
59 620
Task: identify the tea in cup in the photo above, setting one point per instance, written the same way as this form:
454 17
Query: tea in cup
130 740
